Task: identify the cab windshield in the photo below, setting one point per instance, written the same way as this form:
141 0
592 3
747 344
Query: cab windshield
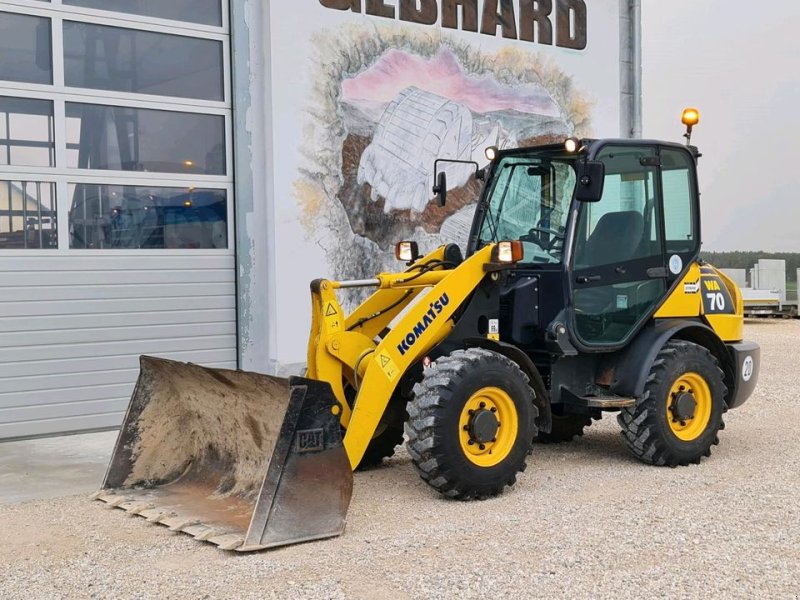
529 201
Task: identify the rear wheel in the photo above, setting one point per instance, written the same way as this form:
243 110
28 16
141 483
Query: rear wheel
471 424
677 419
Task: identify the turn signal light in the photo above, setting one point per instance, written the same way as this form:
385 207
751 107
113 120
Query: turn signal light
508 252
407 251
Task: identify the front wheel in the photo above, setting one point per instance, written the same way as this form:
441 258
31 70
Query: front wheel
471 424
677 419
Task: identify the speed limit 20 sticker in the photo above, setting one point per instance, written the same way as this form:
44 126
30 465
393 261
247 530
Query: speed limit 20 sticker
716 298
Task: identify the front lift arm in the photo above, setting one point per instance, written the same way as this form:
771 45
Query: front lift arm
348 348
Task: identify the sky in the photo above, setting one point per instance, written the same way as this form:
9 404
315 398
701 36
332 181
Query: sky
739 63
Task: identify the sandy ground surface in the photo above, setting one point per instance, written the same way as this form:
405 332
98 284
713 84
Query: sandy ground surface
585 520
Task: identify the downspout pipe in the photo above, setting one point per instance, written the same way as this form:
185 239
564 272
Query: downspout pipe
636 67
630 61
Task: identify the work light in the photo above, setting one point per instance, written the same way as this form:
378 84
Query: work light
508 252
407 251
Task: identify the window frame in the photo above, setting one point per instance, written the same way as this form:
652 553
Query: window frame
59 95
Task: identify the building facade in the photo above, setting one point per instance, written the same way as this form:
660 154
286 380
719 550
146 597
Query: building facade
173 174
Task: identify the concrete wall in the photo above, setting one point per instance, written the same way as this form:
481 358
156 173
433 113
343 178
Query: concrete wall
771 275
738 275
310 92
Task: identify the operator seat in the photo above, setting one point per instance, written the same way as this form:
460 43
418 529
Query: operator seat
616 238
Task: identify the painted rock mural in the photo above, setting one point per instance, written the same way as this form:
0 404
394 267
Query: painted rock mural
387 104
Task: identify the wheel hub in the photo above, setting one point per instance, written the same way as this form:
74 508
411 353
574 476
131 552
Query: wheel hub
483 426
689 407
488 426
683 406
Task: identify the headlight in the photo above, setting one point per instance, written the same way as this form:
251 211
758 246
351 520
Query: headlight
572 145
508 252
491 153
407 251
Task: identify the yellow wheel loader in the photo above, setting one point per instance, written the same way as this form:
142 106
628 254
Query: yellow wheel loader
578 291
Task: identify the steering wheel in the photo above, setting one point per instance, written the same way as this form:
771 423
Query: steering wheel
557 237
547 231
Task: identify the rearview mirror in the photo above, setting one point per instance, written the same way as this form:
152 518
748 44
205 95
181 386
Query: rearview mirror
440 189
591 176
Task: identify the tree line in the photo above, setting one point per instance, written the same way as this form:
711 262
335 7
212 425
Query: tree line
746 260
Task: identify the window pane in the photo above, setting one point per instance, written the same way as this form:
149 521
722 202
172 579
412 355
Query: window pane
624 224
618 240
28 215
25 49
112 216
26 132
678 202
136 139
125 60
207 12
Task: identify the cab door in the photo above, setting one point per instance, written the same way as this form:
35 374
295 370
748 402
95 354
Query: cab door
618 273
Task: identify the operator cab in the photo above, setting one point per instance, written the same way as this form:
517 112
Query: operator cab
599 267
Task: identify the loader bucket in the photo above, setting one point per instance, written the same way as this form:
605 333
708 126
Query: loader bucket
241 460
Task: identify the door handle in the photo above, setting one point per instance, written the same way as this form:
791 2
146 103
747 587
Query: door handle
657 272
589 278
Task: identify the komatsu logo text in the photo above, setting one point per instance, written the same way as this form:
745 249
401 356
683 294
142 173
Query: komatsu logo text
434 311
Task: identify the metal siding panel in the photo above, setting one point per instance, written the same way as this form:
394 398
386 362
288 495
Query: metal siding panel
82 278
124 291
30 353
110 262
64 395
54 368
72 328
65 410
46 427
103 320
156 333
95 307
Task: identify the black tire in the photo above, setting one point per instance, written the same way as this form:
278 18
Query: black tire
389 434
646 425
387 438
434 427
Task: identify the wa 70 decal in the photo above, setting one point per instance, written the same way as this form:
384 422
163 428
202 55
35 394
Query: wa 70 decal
716 298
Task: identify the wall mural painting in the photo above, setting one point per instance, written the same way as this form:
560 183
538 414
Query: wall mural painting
386 104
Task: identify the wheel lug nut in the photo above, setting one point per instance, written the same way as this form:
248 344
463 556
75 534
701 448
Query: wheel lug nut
471 412
466 427
494 409
471 442
483 404
494 440
683 423
482 447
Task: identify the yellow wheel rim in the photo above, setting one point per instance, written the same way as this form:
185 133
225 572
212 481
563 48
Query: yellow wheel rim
485 405
689 429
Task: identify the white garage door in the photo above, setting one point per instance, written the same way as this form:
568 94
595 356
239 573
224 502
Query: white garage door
116 203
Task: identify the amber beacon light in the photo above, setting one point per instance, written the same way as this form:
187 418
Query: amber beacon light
690 118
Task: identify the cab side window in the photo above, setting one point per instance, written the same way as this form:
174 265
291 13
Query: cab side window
680 212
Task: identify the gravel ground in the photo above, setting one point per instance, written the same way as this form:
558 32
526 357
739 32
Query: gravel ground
585 520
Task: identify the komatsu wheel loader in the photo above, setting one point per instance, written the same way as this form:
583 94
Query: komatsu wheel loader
579 291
